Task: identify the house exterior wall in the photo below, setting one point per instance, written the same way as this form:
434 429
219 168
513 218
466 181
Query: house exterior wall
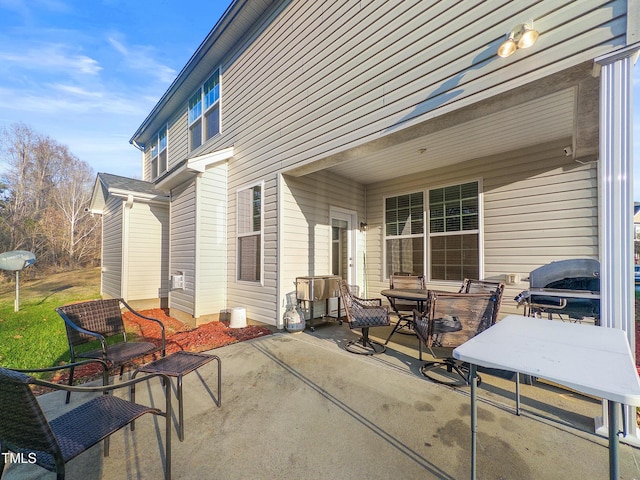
362 71
182 256
258 298
306 227
371 67
211 248
111 279
148 256
538 206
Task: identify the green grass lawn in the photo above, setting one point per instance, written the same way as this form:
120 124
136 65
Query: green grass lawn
34 337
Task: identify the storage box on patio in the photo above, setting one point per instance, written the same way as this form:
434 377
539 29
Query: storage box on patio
317 288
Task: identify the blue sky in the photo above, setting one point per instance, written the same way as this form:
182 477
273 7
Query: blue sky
87 72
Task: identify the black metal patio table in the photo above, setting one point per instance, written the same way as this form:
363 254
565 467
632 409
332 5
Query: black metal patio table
418 295
177 365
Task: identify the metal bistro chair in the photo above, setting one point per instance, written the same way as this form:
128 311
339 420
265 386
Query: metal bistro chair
404 308
470 285
102 320
451 319
25 430
363 313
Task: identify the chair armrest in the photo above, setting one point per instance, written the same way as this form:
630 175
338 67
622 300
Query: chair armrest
164 348
106 388
381 308
91 333
368 302
105 367
103 364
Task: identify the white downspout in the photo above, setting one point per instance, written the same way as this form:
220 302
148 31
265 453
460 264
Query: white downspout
126 225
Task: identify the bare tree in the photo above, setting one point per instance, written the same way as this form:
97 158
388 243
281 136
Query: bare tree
72 196
18 144
45 191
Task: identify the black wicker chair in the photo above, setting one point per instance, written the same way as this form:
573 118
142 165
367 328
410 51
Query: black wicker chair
25 430
449 320
363 313
101 320
404 308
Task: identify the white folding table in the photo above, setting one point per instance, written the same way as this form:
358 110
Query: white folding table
592 360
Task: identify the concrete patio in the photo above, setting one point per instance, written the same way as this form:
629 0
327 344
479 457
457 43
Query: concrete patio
297 406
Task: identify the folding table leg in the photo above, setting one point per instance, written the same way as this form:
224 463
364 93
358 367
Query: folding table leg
473 379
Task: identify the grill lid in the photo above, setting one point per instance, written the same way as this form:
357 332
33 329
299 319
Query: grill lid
572 274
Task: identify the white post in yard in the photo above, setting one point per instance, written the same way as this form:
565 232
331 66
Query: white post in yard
615 207
16 302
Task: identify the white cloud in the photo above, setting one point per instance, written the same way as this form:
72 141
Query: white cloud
76 91
51 57
68 100
141 58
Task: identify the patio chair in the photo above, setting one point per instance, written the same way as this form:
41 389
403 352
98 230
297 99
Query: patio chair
404 308
363 313
482 286
449 320
102 320
26 431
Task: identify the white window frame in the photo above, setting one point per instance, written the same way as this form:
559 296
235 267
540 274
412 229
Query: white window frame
427 235
479 231
240 235
385 237
203 112
156 153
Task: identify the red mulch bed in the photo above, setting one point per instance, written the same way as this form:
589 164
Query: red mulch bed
178 336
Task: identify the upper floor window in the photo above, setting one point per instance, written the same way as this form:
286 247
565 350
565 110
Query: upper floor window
159 153
204 112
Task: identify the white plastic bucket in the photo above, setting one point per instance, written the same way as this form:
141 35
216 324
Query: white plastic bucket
238 317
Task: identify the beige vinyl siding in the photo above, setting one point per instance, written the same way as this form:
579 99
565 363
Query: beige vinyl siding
306 227
538 206
112 248
178 138
211 268
257 298
146 166
361 71
183 245
347 83
148 251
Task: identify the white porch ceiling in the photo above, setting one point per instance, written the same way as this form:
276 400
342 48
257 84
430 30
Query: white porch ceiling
545 119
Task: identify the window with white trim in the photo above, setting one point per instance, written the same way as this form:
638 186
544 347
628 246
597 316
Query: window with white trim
454 232
204 112
249 233
404 234
159 153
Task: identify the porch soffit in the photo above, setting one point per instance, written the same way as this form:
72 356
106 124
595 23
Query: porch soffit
548 118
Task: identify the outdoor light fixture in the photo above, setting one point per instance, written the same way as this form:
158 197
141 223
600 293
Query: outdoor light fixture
523 36
364 227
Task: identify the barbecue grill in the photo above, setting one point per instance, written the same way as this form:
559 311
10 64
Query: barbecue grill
569 289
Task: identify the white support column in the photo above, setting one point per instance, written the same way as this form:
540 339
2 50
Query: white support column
615 206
